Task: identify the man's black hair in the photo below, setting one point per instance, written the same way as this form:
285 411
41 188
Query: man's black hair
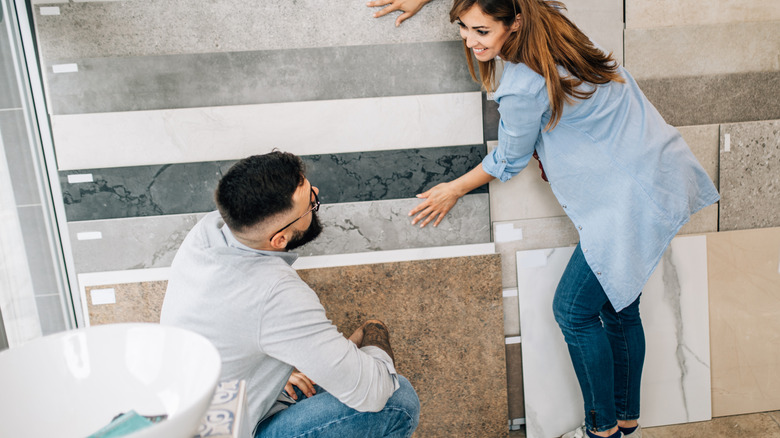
258 187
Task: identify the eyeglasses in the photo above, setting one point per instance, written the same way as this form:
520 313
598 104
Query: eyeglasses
315 206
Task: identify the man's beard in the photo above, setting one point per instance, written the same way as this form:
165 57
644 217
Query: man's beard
300 238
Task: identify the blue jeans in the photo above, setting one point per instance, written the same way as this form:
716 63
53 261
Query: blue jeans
607 348
323 415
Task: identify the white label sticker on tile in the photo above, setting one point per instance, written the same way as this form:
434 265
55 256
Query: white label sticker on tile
65 68
89 235
103 296
510 292
508 233
80 178
512 340
727 142
50 10
532 259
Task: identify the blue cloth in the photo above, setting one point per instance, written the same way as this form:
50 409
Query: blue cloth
322 415
626 178
608 357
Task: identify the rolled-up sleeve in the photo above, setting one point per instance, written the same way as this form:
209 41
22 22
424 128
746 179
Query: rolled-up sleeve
518 132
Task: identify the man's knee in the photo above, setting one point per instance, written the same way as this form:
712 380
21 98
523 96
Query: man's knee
406 404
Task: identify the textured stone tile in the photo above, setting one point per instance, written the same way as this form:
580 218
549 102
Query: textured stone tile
750 175
704 221
464 302
692 51
715 99
676 374
258 77
743 276
514 380
179 26
132 302
88 141
551 232
664 13
743 426
18 152
189 187
511 314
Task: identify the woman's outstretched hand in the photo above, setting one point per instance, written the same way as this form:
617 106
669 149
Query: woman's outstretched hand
438 201
408 7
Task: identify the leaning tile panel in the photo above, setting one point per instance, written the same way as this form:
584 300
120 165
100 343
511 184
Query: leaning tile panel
665 13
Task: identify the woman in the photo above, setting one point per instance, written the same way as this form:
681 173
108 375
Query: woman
625 178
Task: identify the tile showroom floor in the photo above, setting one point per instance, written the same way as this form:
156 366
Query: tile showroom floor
760 425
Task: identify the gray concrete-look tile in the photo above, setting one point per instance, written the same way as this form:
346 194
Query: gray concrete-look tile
40 252
664 13
715 99
19 155
270 76
9 89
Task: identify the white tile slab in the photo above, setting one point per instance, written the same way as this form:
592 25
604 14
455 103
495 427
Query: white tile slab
136 138
663 13
676 376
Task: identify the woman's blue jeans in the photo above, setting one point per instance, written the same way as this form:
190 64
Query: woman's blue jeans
606 347
323 415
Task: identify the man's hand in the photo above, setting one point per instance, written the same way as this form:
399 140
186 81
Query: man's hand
303 383
408 7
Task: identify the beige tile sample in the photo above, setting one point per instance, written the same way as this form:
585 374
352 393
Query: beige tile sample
744 290
125 302
663 13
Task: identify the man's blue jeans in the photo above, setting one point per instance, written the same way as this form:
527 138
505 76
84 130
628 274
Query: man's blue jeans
323 415
606 347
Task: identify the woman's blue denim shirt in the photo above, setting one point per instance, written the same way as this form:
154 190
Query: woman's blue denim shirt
626 179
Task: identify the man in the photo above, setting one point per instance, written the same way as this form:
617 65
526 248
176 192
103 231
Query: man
232 282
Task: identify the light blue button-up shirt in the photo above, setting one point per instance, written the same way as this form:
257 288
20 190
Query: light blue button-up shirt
626 178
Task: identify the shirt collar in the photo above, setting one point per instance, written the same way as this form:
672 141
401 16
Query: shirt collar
288 257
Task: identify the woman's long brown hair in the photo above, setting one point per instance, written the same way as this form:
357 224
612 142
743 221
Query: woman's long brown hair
545 40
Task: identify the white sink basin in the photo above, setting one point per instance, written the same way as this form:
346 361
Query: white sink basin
74 383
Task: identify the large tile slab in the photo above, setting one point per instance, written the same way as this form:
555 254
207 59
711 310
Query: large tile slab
744 280
704 142
180 26
152 242
9 89
750 175
703 100
88 141
260 77
125 302
664 13
601 21
189 188
762 425
708 50
676 375
18 151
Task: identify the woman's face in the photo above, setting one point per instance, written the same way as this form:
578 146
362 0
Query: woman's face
483 34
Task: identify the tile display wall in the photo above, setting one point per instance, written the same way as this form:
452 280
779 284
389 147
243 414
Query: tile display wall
418 300
676 375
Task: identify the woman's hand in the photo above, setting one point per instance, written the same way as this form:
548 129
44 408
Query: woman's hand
408 7
303 383
438 202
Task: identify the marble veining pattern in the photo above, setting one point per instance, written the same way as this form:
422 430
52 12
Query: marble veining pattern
676 375
750 175
262 77
88 141
189 187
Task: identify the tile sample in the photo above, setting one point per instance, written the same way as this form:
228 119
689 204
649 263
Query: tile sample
511 315
666 13
88 141
179 26
514 380
262 77
152 242
51 314
750 175
127 302
703 100
710 50
442 331
525 196
527 234
9 89
601 21
704 142
703 221
13 130
744 279
676 375
91 194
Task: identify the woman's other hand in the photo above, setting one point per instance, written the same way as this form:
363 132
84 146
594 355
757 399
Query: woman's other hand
407 7
438 201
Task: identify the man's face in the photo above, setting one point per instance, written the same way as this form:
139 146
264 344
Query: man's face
310 203
301 238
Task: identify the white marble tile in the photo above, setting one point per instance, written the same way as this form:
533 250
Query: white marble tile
676 376
690 51
663 13
135 138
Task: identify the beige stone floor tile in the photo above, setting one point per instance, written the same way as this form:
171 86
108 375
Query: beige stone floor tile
748 426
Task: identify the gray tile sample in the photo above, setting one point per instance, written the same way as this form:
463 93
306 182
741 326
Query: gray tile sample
490 118
152 242
50 314
9 89
704 141
181 26
19 155
38 250
663 13
715 99
269 76
750 175
189 187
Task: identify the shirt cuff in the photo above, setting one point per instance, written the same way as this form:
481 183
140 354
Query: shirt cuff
383 357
